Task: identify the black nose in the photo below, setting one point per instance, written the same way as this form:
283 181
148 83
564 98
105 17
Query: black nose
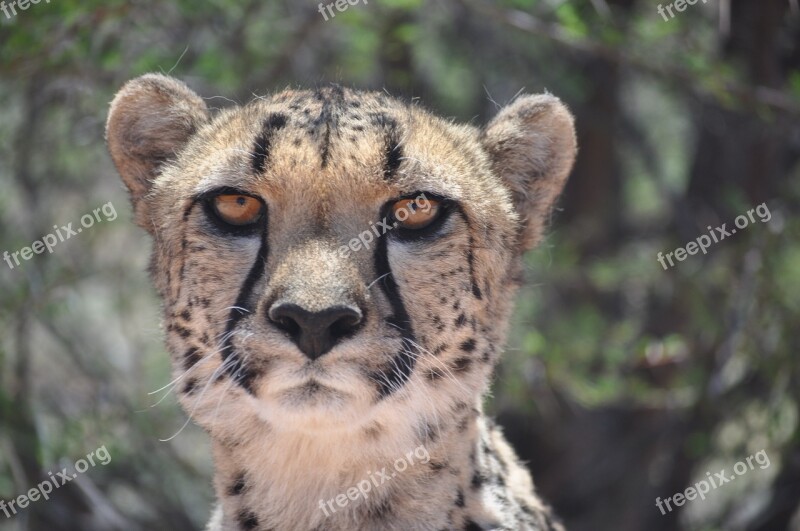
315 333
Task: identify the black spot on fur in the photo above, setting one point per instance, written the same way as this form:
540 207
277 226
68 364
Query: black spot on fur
461 321
245 375
190 358
460 499
468 345
187 212
472 526
476 291
238 486
477 480
462 364
191 386
248 519
261 150
181 331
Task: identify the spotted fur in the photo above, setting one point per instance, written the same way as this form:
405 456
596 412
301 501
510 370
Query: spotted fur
288 431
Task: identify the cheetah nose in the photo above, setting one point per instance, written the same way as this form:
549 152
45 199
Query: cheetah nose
315 333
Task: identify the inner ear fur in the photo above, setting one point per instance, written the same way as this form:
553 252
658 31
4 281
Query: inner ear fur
150 121
532 146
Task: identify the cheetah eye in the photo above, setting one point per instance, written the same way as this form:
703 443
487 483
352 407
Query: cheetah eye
237 209
415 213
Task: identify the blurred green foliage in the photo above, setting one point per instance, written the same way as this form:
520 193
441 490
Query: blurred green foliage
683 124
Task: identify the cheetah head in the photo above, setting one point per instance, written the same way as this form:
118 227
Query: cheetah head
328 258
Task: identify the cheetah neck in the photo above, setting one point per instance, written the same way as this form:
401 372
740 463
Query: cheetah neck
345 480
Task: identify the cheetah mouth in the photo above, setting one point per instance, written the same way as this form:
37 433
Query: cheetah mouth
313 387
309 392
311 405
314 397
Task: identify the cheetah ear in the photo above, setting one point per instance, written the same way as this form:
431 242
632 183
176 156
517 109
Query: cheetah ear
150 121
532 147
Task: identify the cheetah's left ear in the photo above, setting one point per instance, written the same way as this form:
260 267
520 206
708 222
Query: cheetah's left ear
532 146
150 121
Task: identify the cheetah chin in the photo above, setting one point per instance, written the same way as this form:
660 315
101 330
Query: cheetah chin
337 269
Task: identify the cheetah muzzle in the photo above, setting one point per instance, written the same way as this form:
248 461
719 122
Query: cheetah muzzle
312 354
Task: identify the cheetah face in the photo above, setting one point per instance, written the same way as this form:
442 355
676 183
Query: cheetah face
326 257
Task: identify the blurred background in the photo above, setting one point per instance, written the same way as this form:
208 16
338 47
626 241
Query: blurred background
622 382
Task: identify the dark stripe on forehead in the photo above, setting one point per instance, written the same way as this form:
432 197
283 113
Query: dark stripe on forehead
403 363
263 144
332 99
242 374
393 153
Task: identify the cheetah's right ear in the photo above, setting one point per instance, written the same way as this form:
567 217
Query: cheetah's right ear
532 146
150 121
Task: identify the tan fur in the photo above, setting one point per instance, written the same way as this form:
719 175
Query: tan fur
289 432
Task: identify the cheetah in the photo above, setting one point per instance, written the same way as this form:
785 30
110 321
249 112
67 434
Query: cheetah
316 357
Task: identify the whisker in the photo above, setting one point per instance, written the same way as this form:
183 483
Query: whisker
377 280
213 378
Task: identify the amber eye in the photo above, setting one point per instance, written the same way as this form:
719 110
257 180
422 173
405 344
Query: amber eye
237 209
415 213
